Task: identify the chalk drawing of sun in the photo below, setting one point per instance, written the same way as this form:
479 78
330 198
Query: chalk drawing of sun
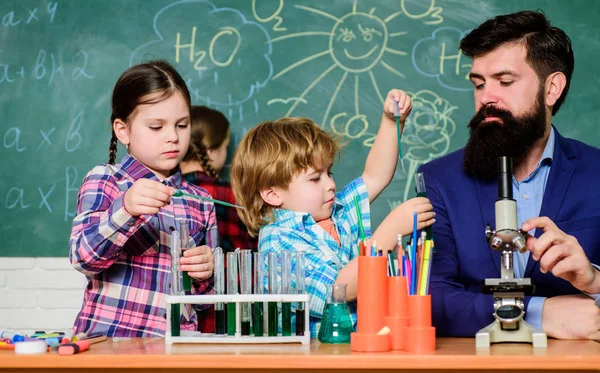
358 43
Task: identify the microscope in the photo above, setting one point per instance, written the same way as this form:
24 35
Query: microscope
508 291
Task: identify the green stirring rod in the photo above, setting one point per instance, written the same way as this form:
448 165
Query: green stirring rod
180 193
397 116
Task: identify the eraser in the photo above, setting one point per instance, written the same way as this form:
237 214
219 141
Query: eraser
31 347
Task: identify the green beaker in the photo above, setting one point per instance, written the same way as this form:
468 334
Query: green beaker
336 325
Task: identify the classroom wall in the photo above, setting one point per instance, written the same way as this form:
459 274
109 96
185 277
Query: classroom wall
50 71
39 294
254 61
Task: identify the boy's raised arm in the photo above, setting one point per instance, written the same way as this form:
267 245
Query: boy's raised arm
383 157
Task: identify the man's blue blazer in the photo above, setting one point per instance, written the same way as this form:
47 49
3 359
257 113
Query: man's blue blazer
463 207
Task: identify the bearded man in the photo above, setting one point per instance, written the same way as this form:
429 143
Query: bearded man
521 71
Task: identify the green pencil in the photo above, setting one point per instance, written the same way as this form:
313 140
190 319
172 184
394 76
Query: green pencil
360 224
180 193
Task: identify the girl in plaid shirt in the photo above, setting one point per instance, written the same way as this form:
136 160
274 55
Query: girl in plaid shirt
126 212
281 174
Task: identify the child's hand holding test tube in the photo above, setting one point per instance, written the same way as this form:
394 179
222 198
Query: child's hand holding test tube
401 112
196 262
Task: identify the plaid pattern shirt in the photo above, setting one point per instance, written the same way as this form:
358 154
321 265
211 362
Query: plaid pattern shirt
232 232
298 231
127 259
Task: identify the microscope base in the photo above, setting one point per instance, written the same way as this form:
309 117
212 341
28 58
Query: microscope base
526 333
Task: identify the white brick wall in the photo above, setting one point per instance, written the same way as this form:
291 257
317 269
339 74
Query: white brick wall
39 294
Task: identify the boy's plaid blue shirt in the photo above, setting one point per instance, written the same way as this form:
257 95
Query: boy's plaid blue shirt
298 231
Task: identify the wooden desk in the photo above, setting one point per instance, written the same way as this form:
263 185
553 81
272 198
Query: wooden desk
452 354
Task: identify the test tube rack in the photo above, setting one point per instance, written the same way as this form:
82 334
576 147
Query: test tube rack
238 299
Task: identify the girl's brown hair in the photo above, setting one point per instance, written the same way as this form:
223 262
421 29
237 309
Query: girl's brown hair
138 85
210 128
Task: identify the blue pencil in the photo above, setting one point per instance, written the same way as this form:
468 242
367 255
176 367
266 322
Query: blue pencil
413 275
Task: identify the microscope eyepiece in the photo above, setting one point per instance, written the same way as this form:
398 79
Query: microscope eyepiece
505 174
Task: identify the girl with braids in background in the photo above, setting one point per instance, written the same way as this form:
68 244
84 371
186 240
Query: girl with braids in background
201 165
125 212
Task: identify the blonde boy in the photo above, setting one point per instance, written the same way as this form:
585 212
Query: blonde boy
281 173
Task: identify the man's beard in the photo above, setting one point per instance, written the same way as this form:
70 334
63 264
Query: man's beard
512 137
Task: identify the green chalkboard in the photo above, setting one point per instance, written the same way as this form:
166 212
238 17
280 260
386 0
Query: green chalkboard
254 60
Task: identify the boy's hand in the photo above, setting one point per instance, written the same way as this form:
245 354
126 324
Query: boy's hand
398 98
198 262
405 212
400 220
146 197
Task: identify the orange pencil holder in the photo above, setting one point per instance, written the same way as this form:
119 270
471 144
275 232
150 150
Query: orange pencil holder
397 318
420 335
372 305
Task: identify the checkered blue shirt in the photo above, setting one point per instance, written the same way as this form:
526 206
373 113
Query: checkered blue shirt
298 231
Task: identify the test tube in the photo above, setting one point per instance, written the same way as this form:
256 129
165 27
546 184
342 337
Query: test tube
232 288
220 318
273 327
176 285
185 238
399 129
422 192
286 288
420 184
258 307
300 279
246 288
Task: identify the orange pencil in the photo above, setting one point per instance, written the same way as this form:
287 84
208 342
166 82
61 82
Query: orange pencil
361 248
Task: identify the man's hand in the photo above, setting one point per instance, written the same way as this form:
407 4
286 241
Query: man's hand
561 254
571 317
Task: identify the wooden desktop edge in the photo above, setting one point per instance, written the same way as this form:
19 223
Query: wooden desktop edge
451 354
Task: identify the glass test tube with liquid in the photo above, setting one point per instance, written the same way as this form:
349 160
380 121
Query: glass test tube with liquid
273 326
258 307
245 288
300 280
286 288
232 288
185 239
176 284
220 318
